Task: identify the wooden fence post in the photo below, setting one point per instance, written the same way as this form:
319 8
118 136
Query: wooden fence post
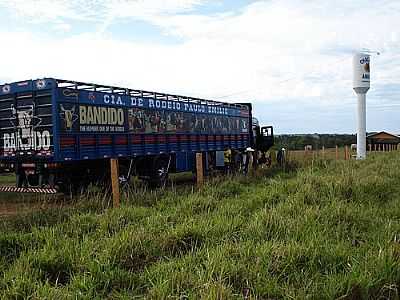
115 181
346 152
336 152
199 169
323 152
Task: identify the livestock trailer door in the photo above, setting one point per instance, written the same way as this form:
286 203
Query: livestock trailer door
26 126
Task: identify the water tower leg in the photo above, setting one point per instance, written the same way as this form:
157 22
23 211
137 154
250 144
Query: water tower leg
361 126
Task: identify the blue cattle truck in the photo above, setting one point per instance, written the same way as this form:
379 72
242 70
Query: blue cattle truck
59 134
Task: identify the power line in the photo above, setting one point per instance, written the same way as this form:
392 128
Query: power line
279 82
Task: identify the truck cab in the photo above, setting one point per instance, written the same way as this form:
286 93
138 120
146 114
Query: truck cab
263 136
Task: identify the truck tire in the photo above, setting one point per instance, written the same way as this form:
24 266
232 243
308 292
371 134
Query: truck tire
20 179
52 180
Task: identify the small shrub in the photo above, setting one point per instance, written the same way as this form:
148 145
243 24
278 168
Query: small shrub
229 189
182 242
53 267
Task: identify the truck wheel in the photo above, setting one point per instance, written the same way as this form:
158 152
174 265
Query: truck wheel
159 175
51 180
20 179
33 180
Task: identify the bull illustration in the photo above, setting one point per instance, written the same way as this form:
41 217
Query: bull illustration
69 117
24 121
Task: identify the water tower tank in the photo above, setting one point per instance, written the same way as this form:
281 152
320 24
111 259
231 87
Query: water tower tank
361 73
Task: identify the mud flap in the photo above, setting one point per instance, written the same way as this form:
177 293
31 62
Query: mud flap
13 189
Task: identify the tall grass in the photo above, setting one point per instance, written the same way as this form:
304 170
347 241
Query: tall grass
329 230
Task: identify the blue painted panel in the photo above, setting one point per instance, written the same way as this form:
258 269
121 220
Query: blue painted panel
181 162
183 139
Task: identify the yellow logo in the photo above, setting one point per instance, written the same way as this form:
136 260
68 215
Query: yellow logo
69 117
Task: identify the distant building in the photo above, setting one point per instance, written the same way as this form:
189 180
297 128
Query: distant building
383 138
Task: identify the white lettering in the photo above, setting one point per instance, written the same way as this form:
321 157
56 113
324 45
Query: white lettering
136 101
7 141
45 143
38 141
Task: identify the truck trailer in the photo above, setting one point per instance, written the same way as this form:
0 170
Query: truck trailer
60 134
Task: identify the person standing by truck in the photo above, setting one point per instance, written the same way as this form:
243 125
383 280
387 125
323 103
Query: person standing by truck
280 157
247 159
227 160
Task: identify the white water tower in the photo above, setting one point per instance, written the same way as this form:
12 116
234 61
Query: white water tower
361 84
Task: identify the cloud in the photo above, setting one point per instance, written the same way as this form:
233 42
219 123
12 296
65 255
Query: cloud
95 10
275 53
39 10
62 27
291 39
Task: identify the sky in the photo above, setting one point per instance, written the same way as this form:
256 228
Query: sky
292 59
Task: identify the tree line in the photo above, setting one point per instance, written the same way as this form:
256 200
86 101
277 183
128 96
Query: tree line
299 141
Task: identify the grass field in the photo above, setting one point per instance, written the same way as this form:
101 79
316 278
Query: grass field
326 154
330 230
